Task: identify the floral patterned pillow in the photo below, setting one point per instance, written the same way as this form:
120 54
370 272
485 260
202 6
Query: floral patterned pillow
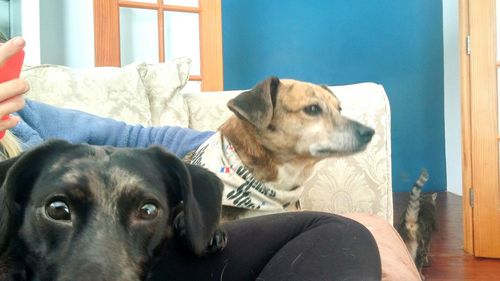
104 91
163 83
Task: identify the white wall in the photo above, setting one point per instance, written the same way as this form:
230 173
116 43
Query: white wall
452 96
67 32
25 19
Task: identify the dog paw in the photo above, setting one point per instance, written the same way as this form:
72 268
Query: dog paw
218 242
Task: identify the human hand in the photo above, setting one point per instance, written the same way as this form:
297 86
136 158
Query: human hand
11 92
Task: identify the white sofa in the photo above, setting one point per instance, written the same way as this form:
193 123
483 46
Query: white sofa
150 94
358 186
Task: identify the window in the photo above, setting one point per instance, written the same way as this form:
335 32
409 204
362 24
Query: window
158 30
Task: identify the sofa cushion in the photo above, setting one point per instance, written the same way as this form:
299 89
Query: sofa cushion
163 82
104 91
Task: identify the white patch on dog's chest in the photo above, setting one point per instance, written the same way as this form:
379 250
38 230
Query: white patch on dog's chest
291 176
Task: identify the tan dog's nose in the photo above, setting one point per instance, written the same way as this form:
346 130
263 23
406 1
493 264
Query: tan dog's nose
364 133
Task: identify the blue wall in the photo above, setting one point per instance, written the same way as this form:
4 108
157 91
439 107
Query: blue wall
398 44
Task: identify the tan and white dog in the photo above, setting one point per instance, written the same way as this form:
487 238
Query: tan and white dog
268 149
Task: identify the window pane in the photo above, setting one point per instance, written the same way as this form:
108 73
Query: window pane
192 87
138 35
188 3
182 38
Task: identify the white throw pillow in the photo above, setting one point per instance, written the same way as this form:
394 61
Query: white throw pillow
104 91
163 83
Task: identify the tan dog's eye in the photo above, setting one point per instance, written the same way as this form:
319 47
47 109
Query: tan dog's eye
313 110
58 210
147 211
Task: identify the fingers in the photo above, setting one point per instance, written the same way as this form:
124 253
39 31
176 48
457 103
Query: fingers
12 88
14 102
11 105
7 107
10 48
9 123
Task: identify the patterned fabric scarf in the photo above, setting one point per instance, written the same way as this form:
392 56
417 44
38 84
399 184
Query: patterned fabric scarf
241 189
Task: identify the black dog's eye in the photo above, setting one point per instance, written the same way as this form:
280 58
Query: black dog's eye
148 211
58 210
313 110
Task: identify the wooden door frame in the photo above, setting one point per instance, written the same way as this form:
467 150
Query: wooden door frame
107 36
107 33
480 127
468 232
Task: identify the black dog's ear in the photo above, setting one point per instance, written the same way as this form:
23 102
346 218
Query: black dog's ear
207 190
6 220
5 166
257 105
18 175
201 194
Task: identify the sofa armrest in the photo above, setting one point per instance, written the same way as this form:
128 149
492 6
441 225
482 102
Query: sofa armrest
397 263
358 183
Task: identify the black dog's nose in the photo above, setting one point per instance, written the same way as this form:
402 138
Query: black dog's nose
364 133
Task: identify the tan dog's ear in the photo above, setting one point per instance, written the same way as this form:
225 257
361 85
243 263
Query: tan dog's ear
257 105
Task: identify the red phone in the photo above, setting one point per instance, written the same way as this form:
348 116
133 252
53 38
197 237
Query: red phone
12 67
11 70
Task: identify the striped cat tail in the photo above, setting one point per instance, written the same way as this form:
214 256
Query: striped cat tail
414 203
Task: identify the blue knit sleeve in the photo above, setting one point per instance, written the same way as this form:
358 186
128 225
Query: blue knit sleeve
47 122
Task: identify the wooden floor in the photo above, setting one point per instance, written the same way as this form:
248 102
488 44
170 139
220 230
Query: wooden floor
448 260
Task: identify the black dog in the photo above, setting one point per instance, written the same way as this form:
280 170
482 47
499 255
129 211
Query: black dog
78 212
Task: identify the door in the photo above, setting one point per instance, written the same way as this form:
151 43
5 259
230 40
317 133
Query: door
480 63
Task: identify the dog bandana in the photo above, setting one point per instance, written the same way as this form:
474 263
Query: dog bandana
241 189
